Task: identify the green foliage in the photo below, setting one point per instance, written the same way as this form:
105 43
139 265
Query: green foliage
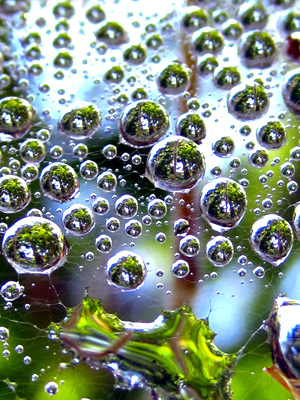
175 353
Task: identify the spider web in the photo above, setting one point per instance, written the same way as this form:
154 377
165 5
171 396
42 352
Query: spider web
236 305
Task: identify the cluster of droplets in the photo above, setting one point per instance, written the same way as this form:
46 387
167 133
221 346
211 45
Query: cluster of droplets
165 134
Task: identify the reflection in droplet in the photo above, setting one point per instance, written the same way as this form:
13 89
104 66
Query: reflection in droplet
35 245
126 270
271 238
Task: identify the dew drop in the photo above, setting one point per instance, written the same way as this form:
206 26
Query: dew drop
180 268
34 245
126 270
271 238
223 203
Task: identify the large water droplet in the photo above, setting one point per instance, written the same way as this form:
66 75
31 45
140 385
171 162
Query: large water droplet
219 251
175 164
59 182
14 194
78 219
291 90
248 101
11 290
271 238
180 268
35 245
189 246
81 120
126 270
223 203
126 206
143 123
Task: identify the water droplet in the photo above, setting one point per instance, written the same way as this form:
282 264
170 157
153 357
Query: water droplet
126 206
88 170
189 246
126 270
100 206
180 268
248 101
78 219
223 147
259 158
258 50
173 80
271 238
175 164
107 181
4 334
113 224
291 89
80 121
272 136
16 117
35 245
14 194
143 123
11 290
133 228
109 151
219 251
32 151
259 272
59 182
157 208
51 388
223 203
103 243
191 126
181 227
